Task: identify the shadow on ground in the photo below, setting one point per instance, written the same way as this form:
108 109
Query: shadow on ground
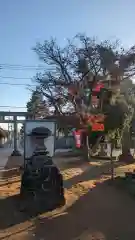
9 212
12 204
92 172
103 212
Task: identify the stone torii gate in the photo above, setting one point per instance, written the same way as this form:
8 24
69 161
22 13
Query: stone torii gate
14 120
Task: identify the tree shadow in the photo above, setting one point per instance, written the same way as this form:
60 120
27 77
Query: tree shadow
91 173
67 163
9 173
103 213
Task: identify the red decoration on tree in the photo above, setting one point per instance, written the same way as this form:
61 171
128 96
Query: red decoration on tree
98 127
98 87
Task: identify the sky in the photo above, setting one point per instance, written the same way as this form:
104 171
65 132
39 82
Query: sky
23 23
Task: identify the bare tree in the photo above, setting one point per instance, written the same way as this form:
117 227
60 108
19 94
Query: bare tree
72 72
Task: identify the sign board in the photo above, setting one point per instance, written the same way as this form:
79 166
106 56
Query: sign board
49 142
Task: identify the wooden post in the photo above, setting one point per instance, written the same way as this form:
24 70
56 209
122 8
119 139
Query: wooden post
88 148
112 163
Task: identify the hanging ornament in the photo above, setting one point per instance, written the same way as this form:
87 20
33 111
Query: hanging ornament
98 87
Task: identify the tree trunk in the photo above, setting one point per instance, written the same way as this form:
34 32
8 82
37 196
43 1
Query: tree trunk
126 144
85 147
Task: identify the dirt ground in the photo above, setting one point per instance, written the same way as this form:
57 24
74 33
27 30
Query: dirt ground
94 210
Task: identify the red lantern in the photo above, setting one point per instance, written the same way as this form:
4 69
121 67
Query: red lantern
77 135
